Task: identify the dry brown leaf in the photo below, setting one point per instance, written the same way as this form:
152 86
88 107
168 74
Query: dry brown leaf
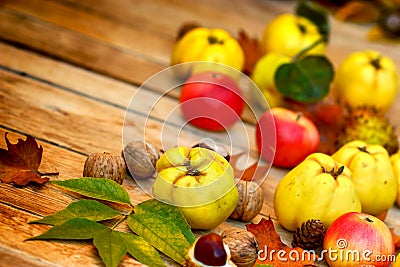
252 51
358 11
19 164
396 238
275 252
253 172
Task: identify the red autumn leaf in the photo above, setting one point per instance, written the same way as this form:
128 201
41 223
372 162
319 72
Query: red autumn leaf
19 163
252 51
273 251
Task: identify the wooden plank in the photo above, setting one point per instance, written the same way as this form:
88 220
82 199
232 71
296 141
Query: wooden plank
151 46
14 224
108 119
74 47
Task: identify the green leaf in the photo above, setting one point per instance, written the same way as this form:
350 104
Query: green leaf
160 233
74 229
170 212
306 80
317 14
104 189
111 247
141 250
85 208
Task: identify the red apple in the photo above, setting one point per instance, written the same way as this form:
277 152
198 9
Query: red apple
211 100
296 137
358 239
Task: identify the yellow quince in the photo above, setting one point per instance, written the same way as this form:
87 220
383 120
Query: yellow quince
318 188
200 182
373 175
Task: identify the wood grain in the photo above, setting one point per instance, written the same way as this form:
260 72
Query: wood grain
68 72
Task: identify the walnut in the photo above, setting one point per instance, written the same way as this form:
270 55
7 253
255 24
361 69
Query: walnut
251 199
243 246
140 158
105 165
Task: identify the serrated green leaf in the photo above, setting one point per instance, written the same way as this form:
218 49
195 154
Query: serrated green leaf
170 212
317 14
73 229
264 265
111 247
84 208
307 80
160 233
104 189
141 250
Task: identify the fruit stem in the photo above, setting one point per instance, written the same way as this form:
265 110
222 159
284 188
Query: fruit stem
214 40
363 149
298 116
302 53
332 172
376 62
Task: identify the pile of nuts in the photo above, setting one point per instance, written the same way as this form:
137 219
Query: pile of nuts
137 159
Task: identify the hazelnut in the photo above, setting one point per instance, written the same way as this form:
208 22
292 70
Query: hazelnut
209 250
105 165
243 246
219 148
140 158
251 199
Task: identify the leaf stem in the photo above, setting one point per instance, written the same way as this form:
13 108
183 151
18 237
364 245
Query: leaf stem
47 173
308 48
124 217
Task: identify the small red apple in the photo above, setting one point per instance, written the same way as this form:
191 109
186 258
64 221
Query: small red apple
211 100
358 239
296 137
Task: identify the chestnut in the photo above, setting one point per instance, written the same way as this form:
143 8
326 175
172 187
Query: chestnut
209 249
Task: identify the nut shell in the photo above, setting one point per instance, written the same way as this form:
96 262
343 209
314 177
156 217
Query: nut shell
140 158
251 199
243 246
105 165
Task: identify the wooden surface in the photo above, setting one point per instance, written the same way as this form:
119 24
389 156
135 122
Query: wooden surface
68 70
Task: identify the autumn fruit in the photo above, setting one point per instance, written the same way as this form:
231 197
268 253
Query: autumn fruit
318 188
199 181
211 101
105 165
263 76
289 34
369 125
209 250
358 239
395 160
296 137
366 78
212 45
372 173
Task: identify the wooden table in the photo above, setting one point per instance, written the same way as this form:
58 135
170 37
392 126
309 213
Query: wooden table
68 70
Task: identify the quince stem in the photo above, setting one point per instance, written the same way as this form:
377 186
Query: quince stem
302 53
332 172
